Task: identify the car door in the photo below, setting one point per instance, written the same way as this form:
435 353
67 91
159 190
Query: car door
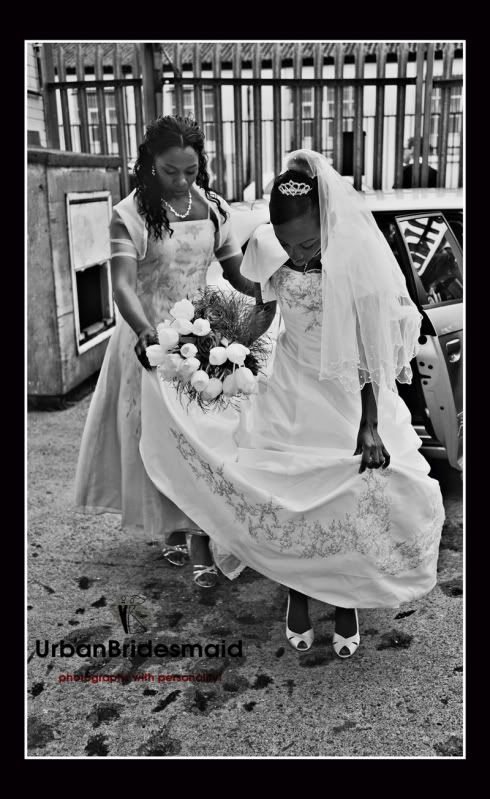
435 259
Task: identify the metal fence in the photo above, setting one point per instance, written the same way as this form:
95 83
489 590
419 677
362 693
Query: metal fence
258 101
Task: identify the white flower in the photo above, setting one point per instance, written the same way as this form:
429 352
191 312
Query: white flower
230 386
167 337
224 342
213 389
165 323
170 367
183 309
188 350
236 353
188 367
201 327
182 326
217 356
245 380
155 354
199 380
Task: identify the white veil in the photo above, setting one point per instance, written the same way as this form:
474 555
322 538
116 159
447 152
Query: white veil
370 326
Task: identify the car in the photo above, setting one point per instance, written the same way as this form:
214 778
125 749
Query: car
424 228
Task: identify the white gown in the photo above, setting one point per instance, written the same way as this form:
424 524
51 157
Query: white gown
277 487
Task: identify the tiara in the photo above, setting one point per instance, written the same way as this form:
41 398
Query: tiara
293 189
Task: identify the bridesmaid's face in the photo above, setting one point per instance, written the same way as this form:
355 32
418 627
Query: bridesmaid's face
176 170
300 238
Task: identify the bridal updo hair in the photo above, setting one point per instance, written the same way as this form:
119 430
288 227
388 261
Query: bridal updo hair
284 207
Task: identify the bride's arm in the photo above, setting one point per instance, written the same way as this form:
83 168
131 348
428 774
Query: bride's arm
369 443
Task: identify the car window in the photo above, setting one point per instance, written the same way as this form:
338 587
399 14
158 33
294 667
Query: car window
433 257
455 220
388 230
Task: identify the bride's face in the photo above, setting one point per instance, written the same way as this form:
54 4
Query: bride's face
300 238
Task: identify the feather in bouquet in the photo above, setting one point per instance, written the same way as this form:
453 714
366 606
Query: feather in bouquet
211 349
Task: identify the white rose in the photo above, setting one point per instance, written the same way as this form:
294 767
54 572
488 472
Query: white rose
245 380
155 354
229 386
199 380
167 337
188 367
213 389
170 366
217 355
236 353
163 325
183 309
188 350
201 327
182 326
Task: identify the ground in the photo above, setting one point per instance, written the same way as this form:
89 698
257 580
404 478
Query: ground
399 696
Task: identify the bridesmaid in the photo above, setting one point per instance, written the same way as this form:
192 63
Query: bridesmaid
164 235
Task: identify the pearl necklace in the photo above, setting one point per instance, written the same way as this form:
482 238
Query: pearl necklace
176 213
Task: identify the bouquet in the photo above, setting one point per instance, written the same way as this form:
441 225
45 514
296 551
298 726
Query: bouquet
210 349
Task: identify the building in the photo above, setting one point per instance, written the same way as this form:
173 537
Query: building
176 65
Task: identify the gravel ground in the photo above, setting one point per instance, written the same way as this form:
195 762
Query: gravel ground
400 696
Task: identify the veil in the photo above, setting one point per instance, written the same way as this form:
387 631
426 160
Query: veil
370 326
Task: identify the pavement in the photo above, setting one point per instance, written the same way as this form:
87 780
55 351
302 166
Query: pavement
401 695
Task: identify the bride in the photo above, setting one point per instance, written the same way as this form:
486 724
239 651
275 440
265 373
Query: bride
317 482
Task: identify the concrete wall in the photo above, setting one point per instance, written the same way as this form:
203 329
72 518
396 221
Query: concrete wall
54 364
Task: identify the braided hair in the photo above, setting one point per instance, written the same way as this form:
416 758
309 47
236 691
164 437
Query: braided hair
163 133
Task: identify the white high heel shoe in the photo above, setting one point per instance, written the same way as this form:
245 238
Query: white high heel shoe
299 638
351 643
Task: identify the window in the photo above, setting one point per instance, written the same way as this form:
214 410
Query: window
435 100
307 117
93 123
89 216
455 219
208 112
188 103
456 100
111 122
347 104
434 258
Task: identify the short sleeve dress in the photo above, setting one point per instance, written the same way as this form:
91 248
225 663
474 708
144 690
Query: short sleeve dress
110 474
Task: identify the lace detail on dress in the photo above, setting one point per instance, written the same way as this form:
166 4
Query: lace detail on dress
174 267
301 293
366 531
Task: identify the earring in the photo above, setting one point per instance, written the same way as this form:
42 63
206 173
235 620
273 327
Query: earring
153 170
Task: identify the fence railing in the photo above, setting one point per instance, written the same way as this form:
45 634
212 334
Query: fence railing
262 67
67 96
100 102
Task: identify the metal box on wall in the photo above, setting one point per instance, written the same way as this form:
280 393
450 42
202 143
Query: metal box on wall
68 267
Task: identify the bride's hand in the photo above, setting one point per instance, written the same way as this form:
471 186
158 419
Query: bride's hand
370 446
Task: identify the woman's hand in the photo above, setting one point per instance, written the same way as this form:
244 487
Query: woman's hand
146 337
370 446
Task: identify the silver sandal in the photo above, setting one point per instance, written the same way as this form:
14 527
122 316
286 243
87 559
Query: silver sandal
209 573
177 555
203 576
